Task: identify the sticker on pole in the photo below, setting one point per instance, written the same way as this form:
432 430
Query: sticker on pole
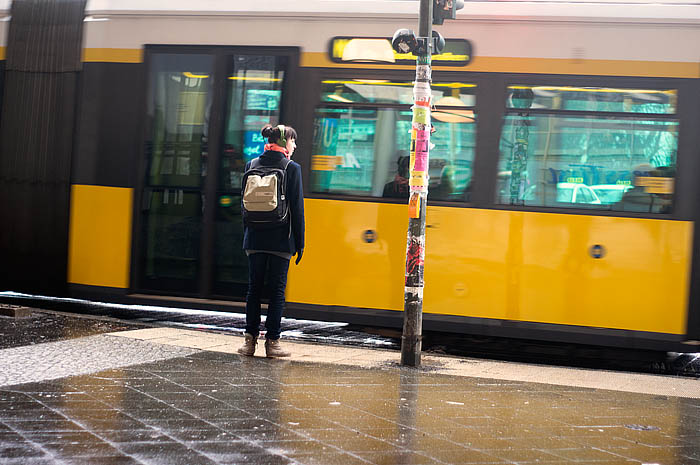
412 160
422 146
418 181
421 115
414 205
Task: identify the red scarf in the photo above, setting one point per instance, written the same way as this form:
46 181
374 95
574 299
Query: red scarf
400 180
277 148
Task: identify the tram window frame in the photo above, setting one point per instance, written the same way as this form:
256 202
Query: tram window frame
681 116
439 76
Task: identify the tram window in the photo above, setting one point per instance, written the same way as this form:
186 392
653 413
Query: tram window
180 93
381 91
362 139
254 99
612 163
367 91
594 99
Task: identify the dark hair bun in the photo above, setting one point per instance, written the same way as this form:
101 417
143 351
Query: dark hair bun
267 131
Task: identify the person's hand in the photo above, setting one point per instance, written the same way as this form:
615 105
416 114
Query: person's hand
300 252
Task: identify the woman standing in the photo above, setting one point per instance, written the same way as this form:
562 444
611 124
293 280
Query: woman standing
270 249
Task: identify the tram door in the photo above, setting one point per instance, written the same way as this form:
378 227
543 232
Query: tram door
205 109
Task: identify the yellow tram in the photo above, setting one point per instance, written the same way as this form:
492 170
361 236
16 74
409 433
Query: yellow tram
563 197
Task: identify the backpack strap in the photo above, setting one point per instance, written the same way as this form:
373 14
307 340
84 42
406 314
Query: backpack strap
256 163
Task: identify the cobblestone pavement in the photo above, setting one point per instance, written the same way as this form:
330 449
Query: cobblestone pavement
208 407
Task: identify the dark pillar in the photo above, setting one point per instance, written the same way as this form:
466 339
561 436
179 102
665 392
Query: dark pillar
36 143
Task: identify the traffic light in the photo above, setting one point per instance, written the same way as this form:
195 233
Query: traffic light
446 9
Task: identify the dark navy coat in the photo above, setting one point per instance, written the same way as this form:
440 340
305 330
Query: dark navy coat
281 239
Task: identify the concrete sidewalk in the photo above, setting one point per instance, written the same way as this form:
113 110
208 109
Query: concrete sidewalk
377 358
172 396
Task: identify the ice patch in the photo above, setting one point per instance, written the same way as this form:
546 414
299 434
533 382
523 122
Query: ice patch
157 309
380 342
201 326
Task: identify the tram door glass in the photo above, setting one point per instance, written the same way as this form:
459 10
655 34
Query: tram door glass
596 148
254 97
180 90
362 138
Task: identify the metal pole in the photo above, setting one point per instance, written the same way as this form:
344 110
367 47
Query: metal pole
415 245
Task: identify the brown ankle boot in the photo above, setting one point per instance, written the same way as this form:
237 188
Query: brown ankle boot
249 345
273 349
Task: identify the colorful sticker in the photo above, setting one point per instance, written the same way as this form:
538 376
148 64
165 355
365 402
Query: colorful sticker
415 253
421 115
421 162
422 140
422 146
422 103
414 205
412 160
418 181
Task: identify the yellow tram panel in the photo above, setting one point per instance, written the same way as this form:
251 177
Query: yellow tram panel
99 247
520 266
340 267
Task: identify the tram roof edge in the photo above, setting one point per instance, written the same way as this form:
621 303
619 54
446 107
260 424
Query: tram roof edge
396 8
642 11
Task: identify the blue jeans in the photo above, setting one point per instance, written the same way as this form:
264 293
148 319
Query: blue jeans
275 268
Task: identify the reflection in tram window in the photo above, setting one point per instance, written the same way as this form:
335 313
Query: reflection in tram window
180 95
254 88
179 99
597 99
362 138
254 99
620 163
